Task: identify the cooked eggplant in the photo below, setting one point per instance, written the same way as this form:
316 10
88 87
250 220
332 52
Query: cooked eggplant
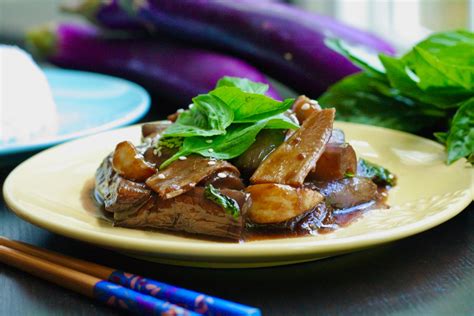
336 162
275 203
291 162
130 164
184 174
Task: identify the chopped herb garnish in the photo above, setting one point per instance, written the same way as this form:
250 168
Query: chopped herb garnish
378 174
228 204
349 174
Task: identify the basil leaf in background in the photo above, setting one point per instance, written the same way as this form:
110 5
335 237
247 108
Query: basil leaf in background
403 79
451 46
250 107
219 115
238 138
227 203
460 141
442 137
378 174
243 84
357 99
191 123
360 56
435 74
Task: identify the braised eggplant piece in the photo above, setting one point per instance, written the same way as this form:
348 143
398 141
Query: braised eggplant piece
152 130
275 203
291 162
130 164
336 162
346 192
117 193
266 142
184 174
190 212
304 107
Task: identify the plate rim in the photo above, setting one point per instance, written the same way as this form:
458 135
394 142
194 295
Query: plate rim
138 112
300 247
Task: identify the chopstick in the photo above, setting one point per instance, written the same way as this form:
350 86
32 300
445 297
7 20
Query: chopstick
106 292
191 300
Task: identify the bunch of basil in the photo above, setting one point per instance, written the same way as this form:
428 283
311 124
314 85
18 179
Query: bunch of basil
223 123
429 89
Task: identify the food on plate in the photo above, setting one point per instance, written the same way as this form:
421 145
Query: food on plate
172 71
27 107
238 163
285 41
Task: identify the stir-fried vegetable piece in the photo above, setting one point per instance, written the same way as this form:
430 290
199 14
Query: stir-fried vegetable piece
228 204
276 203
185 174
291 162
377 173
336 162
127 162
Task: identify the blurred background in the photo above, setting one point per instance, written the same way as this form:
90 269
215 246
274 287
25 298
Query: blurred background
404 22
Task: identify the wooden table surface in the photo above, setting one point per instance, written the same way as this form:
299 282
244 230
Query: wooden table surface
430 273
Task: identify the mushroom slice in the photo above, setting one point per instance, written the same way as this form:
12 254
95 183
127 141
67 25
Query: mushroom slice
130 164
275 203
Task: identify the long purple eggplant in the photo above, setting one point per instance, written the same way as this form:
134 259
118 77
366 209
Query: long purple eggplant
284 41
175 72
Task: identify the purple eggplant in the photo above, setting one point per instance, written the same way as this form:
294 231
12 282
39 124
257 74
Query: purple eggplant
284 41
174 72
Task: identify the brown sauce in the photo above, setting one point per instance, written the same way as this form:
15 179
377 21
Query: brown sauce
321 220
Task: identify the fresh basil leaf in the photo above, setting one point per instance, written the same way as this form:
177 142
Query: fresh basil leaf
460 141
238 138
453 47
219 115
281 121
442 137
250 107
359 55
378 174
406 81
243 84
227 203
191 123
358 98
437 74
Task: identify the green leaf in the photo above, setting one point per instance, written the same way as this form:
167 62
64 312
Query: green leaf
227 203
359 55
442 137
434 73
406 81
219 115
191 123
361 99
281 121
243 84
238 138
250 107
460 141
378 174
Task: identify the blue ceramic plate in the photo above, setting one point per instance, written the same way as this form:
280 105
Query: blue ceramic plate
87 103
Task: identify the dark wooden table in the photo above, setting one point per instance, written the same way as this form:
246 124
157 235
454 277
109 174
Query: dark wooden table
431 273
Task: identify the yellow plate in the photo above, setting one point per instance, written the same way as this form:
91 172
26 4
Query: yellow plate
46 191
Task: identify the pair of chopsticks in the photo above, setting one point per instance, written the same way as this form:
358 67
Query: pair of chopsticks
113 287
